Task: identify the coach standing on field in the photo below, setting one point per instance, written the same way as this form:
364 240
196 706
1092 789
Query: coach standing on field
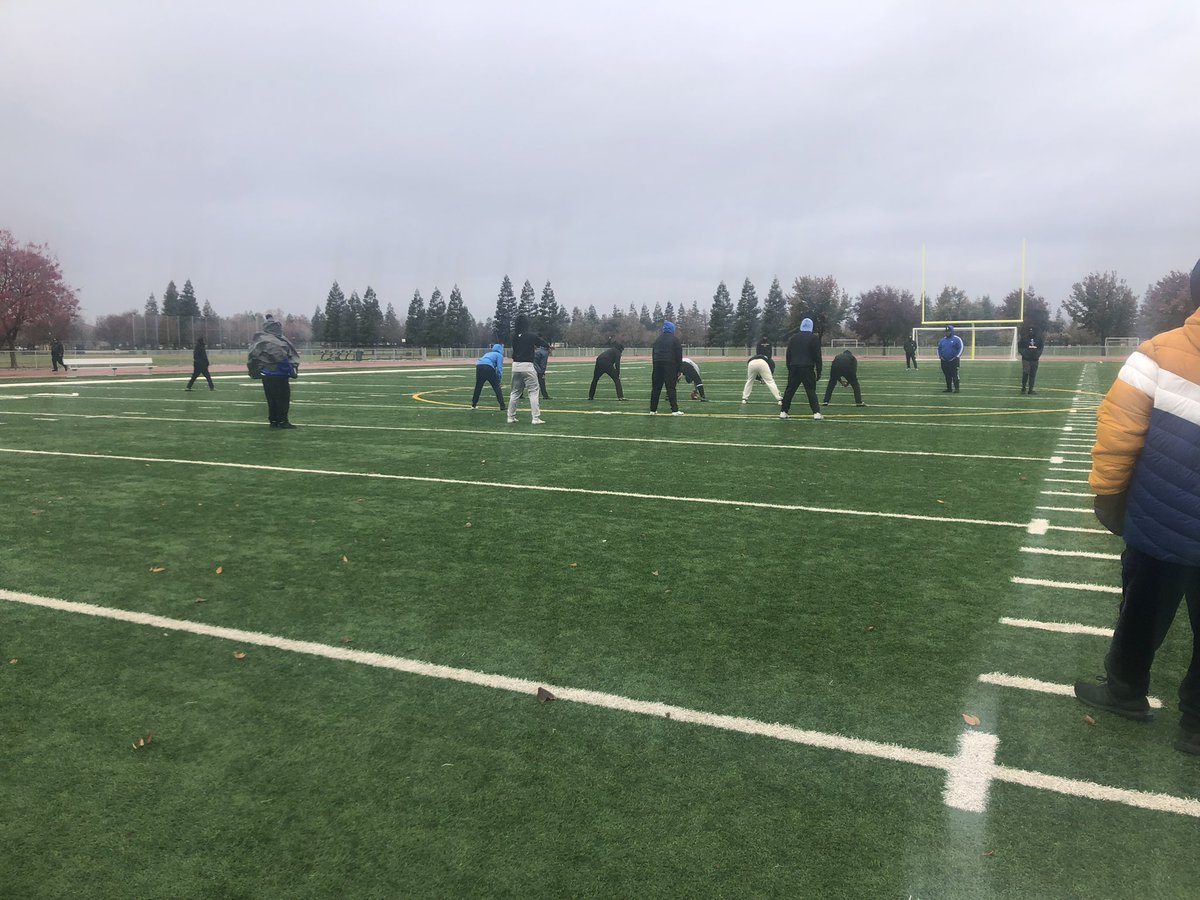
1146 475
804 368
1031 352
950 349
666 360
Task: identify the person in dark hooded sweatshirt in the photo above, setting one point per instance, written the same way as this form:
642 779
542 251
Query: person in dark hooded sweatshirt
199 365
666 360
1031 352
524 375
489 370
275 360
608 363
804 368
950 349
844 368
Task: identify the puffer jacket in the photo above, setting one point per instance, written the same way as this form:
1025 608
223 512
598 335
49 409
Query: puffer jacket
1148 444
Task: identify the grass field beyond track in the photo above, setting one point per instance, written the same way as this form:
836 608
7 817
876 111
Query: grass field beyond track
850 580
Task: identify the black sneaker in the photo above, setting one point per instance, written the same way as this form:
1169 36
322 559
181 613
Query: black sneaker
285 425
1099 696
1189 742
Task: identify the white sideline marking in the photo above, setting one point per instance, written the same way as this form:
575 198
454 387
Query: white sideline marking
1060 627
1066 494
1075 509
1057 460
969 779
1042 687
1039 526
1046 551
969 772
1066 480
555 489
1067 585
1076 471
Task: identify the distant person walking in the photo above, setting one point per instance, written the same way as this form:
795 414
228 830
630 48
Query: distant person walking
910 352
844 368
275 360
541 358
524 375
489 370
950 349
608 363
199 365
666 361
804 368
56 355
760 367
1031 352
690 372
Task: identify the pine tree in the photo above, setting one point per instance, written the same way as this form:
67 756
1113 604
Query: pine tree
187 300
668 312
318 325
335 305
414 324
151 306
391 326
458 320
170 305
745 320
352 315
774 315
371 325
435 320
528 305
506 312
644 317
720 317
549 316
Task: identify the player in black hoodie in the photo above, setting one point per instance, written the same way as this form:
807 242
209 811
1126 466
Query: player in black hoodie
524 375
804 368
608 363
666 357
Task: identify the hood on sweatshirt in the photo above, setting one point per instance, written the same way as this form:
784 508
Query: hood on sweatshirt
498 348
806 325
669 327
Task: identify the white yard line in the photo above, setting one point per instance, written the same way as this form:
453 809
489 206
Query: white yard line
1066 494
1067 585
1046 551
970 771
1065 480
1060 627
1019 682
1074 509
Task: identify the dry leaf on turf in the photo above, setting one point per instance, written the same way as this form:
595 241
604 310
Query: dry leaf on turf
143 741
200 600
344 558
157 569
574 565
544 695
468 525
12 662
941 501
990 853
654 573
220 569
347 640
1089 719
239 655
970 719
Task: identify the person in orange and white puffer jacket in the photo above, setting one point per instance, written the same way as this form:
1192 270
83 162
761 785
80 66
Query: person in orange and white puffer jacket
1146 476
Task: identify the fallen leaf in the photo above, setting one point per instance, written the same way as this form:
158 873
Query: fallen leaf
870 628
12 662
143 741
238 654
970 719
200 600
574 565
1089 719
220 569
468 525
157 569
990 853
1022 478
544 695
655 574
344 558
347 640
941 501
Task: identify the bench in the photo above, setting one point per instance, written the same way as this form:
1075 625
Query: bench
114 363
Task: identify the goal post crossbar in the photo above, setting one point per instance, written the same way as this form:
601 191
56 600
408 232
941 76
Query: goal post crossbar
1000 338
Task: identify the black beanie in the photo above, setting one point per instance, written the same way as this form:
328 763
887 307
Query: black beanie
1196 284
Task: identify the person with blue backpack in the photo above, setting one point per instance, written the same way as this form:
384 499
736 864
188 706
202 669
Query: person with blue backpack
489 370
275 360
950 349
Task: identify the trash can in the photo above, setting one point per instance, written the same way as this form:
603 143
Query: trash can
358 356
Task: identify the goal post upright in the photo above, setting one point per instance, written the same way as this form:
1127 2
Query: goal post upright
975 325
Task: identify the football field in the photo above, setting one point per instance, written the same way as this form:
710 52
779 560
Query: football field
407 649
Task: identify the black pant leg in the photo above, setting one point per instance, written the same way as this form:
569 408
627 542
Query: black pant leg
808 377
542 385
793 383
853 379
1189 690
208 378
946 373
1033 367
954 372
656 385
596 373
285 397
192 380
1150 594
272 401
494 381
671 377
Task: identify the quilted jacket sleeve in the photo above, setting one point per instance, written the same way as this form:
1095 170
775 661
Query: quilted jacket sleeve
1122 422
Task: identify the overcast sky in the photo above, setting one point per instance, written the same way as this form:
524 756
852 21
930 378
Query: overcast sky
626 152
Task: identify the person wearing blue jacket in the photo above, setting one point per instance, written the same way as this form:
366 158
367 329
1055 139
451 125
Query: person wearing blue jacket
950 349
489 370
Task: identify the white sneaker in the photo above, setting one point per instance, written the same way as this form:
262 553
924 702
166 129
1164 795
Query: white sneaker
743 399
678 412
818 416
783 415
653 413
511 420
537 422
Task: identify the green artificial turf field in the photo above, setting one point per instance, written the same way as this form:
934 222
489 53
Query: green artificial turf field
866 582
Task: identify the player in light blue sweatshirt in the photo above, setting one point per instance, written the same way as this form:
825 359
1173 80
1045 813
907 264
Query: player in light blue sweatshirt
489 369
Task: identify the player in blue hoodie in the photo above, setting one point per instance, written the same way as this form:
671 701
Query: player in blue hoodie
489 370
950 348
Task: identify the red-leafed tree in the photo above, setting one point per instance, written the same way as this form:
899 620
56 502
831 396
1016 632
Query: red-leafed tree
33 296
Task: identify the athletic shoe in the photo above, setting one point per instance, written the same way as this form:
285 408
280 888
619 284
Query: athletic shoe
1189 742
678 412
537 422
274 424
1031 392
818 417
622 399
860 404
187 389
783 415
653 412
473 406
1100 696
744 400
285 425
947 391
511 420
956 390
1022 390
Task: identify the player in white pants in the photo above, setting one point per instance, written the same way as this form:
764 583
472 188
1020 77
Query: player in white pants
759 368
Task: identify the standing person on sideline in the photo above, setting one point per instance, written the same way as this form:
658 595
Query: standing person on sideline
761 367
524 375
56 355
910 352
844 368
199 365
1031 352
541 357
1146 475
666 360
275 360
804 368
608 363
489 370
950 348
690 372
